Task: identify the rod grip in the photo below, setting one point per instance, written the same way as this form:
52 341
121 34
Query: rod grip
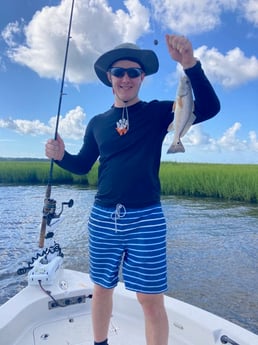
48 191
44 220
42 232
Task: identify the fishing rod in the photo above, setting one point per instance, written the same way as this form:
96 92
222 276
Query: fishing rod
50 204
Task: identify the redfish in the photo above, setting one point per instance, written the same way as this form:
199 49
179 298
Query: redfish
183 114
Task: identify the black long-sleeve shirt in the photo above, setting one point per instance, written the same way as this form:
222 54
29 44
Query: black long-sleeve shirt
129 164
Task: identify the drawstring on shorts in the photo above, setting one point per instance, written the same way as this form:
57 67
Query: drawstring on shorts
119 212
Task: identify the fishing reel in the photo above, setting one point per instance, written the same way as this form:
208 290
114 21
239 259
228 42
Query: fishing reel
44 265
49 212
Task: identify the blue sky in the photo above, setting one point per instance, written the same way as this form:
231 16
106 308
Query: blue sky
224 34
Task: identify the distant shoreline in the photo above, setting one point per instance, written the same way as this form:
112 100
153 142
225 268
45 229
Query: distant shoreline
24 159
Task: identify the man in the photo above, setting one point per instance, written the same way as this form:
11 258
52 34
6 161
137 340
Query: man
127 225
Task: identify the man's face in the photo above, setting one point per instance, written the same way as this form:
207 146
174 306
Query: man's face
126 88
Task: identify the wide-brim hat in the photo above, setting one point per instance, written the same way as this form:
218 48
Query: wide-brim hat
147 59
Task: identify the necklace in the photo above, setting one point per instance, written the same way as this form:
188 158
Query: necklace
122 126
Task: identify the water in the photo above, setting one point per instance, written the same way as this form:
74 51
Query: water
212 247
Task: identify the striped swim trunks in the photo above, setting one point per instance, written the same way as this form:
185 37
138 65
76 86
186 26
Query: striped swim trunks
134 239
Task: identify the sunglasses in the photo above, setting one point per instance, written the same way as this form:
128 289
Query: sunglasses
119 72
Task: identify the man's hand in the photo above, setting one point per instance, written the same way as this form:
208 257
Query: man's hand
55 149
180 49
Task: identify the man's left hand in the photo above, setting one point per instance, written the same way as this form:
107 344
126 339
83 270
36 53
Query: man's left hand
180 49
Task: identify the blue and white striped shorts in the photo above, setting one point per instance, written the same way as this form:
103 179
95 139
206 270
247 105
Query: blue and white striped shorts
135 238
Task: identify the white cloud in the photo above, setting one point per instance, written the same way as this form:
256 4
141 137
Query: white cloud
250 9
10 33
71 126
187 16
194 17
2 65
96 28
196 136
230 70
253 141
228 142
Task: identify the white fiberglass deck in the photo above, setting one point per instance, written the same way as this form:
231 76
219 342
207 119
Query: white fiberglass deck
31 318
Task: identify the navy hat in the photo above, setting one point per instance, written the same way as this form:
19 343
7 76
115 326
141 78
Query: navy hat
147 59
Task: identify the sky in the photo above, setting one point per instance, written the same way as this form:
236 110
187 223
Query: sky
33 37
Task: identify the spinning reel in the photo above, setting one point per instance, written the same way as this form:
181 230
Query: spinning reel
49 212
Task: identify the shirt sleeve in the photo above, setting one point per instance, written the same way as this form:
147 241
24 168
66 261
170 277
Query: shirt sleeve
206 103
82 162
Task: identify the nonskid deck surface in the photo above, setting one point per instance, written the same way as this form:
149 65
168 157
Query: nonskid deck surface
78 331
124 330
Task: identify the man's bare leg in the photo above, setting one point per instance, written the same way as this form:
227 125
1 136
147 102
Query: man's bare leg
156 321
102 303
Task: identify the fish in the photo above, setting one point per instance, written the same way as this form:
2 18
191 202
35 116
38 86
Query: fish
184 117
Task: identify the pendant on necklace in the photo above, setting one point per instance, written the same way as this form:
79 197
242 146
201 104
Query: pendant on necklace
122 126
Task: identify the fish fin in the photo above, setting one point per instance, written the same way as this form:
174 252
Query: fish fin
175 148
188 124
171 127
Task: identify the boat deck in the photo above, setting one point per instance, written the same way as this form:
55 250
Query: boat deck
76 330
32 318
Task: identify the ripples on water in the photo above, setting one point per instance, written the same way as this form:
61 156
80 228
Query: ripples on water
212 247
212 257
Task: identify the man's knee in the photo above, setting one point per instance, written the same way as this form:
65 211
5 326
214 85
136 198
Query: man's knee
152 304
100 292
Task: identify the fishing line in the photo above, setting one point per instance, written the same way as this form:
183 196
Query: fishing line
153 23
47 200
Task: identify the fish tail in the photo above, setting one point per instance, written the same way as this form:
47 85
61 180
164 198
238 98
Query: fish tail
176 147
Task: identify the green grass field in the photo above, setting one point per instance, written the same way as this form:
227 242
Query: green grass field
222 181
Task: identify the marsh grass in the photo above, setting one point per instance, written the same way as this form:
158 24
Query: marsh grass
222 181
35 172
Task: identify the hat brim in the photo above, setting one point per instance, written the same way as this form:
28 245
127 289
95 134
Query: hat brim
147 59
